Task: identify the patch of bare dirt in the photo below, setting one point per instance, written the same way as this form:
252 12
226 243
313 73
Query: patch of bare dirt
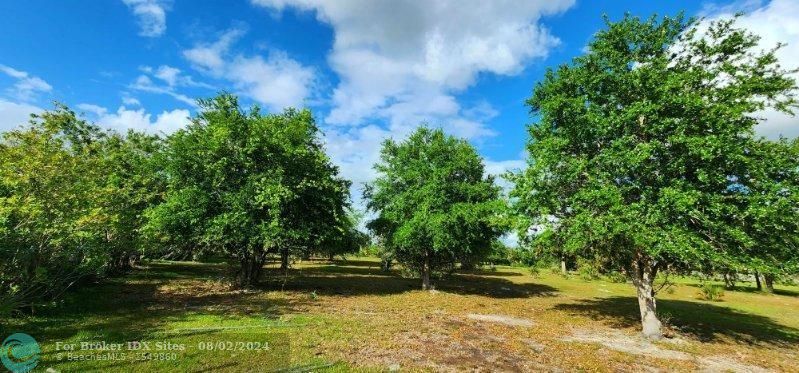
501 319
619 341
725 364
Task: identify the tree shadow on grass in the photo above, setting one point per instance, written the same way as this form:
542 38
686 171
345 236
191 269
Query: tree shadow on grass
702 321
135 306
752 289
354 280
489 272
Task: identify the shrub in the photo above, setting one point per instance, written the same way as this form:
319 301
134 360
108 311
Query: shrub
616 277
370 251
587 270
711 292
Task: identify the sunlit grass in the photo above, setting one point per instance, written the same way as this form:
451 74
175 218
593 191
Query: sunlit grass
349 315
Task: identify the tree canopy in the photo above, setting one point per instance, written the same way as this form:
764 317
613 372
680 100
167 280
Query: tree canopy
435 206
245 185
644 149
71 203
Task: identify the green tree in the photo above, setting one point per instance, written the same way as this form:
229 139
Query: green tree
247 185
71 198
347 239
770 200
132 184
434 204
640 143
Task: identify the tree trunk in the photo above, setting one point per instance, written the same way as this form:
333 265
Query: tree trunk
426 272
251 268
563 265
643 277
769 283
729 281
467 265
757 281
244 272
284 258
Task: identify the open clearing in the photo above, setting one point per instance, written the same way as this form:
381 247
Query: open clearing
351 316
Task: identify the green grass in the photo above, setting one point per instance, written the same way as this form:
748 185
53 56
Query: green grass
351 316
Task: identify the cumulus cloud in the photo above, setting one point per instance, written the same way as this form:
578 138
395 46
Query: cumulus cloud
775 22
14 115
124 119
26 85
402 63
150 15
276 81
387 52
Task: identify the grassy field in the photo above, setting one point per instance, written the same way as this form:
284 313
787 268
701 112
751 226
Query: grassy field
350 316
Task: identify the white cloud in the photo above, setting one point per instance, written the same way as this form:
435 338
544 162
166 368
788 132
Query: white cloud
145 84
402 63
26 85
173 77
165 80
776 22
356 150
168 74
124 119
13 115
150 15
499 168
385 52
776 124
276 81
209 56
93 109
130 101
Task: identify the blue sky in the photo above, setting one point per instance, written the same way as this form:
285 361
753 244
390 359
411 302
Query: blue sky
368 69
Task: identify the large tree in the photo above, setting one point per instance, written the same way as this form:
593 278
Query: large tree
644 144
435 206
246 185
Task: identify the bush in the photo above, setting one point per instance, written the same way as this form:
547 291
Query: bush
616 277
71 203
373 251
711 292
587 270
522 256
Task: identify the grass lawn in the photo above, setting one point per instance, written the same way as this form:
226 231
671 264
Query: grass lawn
350 316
